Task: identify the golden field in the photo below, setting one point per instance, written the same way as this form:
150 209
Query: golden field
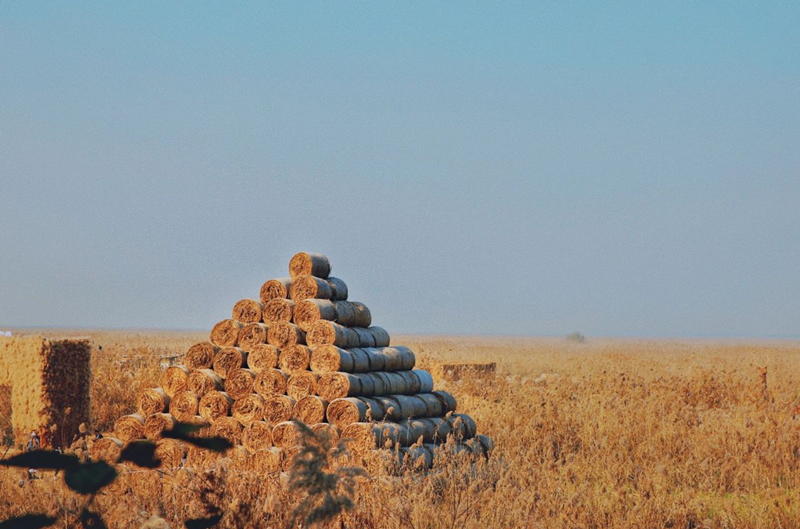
603 434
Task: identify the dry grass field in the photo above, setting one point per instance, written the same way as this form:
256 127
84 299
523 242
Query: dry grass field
608 433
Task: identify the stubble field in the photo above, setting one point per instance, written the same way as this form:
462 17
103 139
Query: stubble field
608 433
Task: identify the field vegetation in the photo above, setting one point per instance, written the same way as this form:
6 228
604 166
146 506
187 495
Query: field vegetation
594 434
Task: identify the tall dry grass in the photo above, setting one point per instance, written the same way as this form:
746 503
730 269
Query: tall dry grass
602 434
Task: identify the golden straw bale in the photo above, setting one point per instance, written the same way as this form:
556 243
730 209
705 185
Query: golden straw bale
107 449
257 436
263 356
271 382
329 358
184 405
201 355
309 311
201 381
129 428
239 383
295 358
229 359
247 311
200 458
345 411
278 408
174 379
285 435
283 334
215 405
324 428
157 424
252 335
325 332
310 409
153 400
229 428
310 287
226 333
279 309
267 461
302 383
170 452
248 409
304 263
372 435
289 455
275 289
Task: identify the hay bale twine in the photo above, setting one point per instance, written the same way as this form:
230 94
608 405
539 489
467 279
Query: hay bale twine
129 428
226 333
279 310
157 424
295 358
215 405
285 435
301 384
305 263
309 287
201 355
248 409
174 379
252 335
240 383
107 449
262 357
153 400
267 461
325 332
271 382
309 311
201 381
247 311
284 334
275 289
310 409
229 428
228 360
170 452
278 408
184 405
257 436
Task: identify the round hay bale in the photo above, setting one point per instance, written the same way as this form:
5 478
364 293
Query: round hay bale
309 287
170 452
365 337
201 381
247 311
394 358
279 310
324 428
257 436
362 315
346 411
271 382
314 264
416 457
310 409
267 461
284 335
289 457
301 384
329 358
228 360
201 355
275 289
380 336
448 401
200 458
285 435
463 424
252 335
153 400
338 289
309 311
371 436
214 405
107 449
226 333
402 407
345 313
249 409
278 408
295 358
229 428
262 357
157 424
378 359
129 428
240 383
174 379
332 386
325 332
184 405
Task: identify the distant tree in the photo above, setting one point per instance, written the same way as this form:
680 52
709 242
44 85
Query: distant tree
576 337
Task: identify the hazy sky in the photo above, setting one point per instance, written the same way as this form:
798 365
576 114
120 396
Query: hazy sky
527 169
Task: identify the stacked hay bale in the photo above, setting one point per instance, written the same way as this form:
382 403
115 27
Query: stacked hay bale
50 385
303 351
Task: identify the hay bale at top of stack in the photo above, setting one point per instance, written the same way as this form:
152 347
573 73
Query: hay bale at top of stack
305 263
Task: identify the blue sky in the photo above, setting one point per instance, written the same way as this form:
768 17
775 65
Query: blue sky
618 169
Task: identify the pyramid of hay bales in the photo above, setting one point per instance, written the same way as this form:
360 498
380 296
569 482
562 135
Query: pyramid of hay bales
301 351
